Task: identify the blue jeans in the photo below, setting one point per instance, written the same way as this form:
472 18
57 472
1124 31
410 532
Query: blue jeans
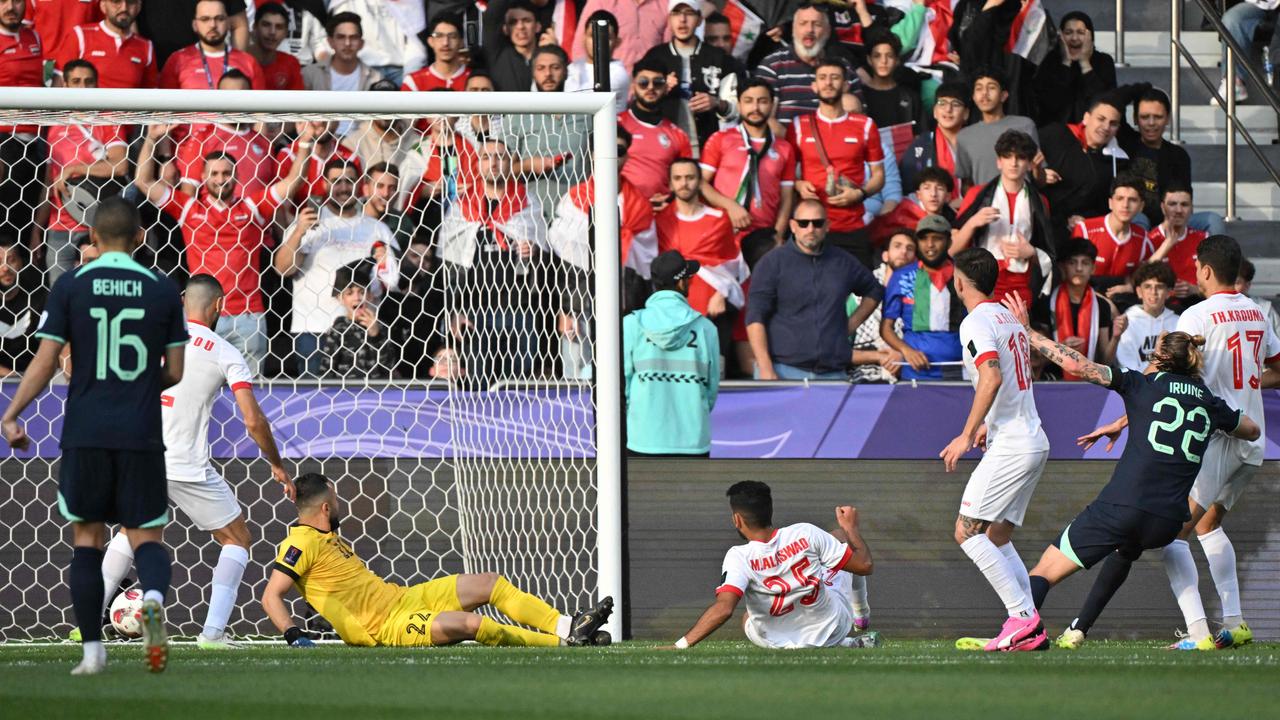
790 372
1241 22
247 332
307 355
394 73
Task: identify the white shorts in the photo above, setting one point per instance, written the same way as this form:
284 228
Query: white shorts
837 629
1224 474
1001 487
209 503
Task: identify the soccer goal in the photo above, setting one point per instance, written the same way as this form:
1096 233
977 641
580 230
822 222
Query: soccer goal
419 306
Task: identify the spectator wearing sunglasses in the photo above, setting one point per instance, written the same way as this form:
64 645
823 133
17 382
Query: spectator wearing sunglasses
796 318
656 142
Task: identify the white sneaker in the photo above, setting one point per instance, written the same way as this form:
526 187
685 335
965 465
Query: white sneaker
222 642
1242 92
1070 639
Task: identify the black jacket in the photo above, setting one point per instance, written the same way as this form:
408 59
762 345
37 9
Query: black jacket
708 66
1042 231
1171 165
1063 91
1086 177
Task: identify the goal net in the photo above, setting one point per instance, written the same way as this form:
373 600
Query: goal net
411 278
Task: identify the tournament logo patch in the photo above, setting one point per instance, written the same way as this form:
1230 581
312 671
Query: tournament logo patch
973 349
292 555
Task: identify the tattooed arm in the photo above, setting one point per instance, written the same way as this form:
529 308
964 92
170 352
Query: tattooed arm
984 397
1061 355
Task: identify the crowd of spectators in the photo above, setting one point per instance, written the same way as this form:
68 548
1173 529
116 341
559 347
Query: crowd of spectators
820 174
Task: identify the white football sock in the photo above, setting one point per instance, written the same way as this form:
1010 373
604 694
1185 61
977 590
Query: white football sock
94 651
1017 567
1222 566
992 563
564 625
153 595
116 562
1184 580
858 596
226 584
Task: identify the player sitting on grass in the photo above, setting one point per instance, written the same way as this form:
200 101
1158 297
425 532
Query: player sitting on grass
366 610
1144 506
790 578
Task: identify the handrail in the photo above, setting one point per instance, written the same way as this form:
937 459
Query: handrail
1119 58
1254 73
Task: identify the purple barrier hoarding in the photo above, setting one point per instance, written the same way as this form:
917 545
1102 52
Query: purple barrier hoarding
823 420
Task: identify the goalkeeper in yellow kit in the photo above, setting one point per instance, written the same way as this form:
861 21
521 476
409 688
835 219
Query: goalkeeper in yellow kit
366 610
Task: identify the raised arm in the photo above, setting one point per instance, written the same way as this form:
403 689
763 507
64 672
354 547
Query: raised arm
147 178
256 424
859 562
288 185
1066 358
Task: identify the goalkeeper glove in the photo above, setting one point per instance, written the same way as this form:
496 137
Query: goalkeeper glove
296 638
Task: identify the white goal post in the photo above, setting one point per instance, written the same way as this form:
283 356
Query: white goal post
35 591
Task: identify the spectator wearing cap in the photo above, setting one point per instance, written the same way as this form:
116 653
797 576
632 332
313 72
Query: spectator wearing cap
582 69
449 70
792 70
749 172
937 148
1081 160
281 71
21 151
841 161
671 366
201 65
641 25
356 346
1009 218
343 70
656 142
975 159
922 296
796 319
76 152
703 86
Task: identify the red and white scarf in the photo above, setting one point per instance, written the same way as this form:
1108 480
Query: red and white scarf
1083 324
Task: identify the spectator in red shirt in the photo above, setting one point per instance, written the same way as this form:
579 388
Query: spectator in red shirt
327 148
255 166
841 161
124 58
748 172
655 141
449 70
77 151
280 70
200 66
704 234
1118 239
53 19
1172 241
21 152
225 233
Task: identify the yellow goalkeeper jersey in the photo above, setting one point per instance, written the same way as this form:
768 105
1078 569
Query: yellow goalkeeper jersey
336 583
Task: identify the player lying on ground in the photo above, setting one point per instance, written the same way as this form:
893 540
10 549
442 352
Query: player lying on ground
790 578
1144 505
366 610
1004 422
194 484
1239 343
121 320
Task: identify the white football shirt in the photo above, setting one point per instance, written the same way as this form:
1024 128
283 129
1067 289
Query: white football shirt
989 332
1238 342
782 583
186 408
332 242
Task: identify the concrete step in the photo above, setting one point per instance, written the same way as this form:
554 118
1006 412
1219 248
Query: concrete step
1139 15
1151 49
1209 163
1192 90
1266 281
1258 238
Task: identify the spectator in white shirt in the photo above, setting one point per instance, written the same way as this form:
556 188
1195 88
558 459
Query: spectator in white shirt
582 72
391 46
1149 319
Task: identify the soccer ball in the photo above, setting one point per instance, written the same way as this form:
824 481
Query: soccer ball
126 613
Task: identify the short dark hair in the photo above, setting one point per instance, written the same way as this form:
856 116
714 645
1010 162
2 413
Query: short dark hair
340 163
80 64
551 50
883 37
271 8
1109 98
1152 94
1222 253
980 267
756 82
906 232
357 273
933 173
383 167
1155 271
444 19
1126 181
954 90
234 74
648 64
337 19
831 61
116 220
220 155
205 284
604 15
685 161
986 71
1077 247
310 489
1016 143
753 500
479 73
1176 187
1247 270
718 18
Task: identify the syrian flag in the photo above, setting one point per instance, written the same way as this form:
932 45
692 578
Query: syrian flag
1030 35
565 18
901 137
745 27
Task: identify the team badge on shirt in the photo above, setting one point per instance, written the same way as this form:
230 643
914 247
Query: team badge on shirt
664 141
292 555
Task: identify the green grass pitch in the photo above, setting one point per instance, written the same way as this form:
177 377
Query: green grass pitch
907 679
